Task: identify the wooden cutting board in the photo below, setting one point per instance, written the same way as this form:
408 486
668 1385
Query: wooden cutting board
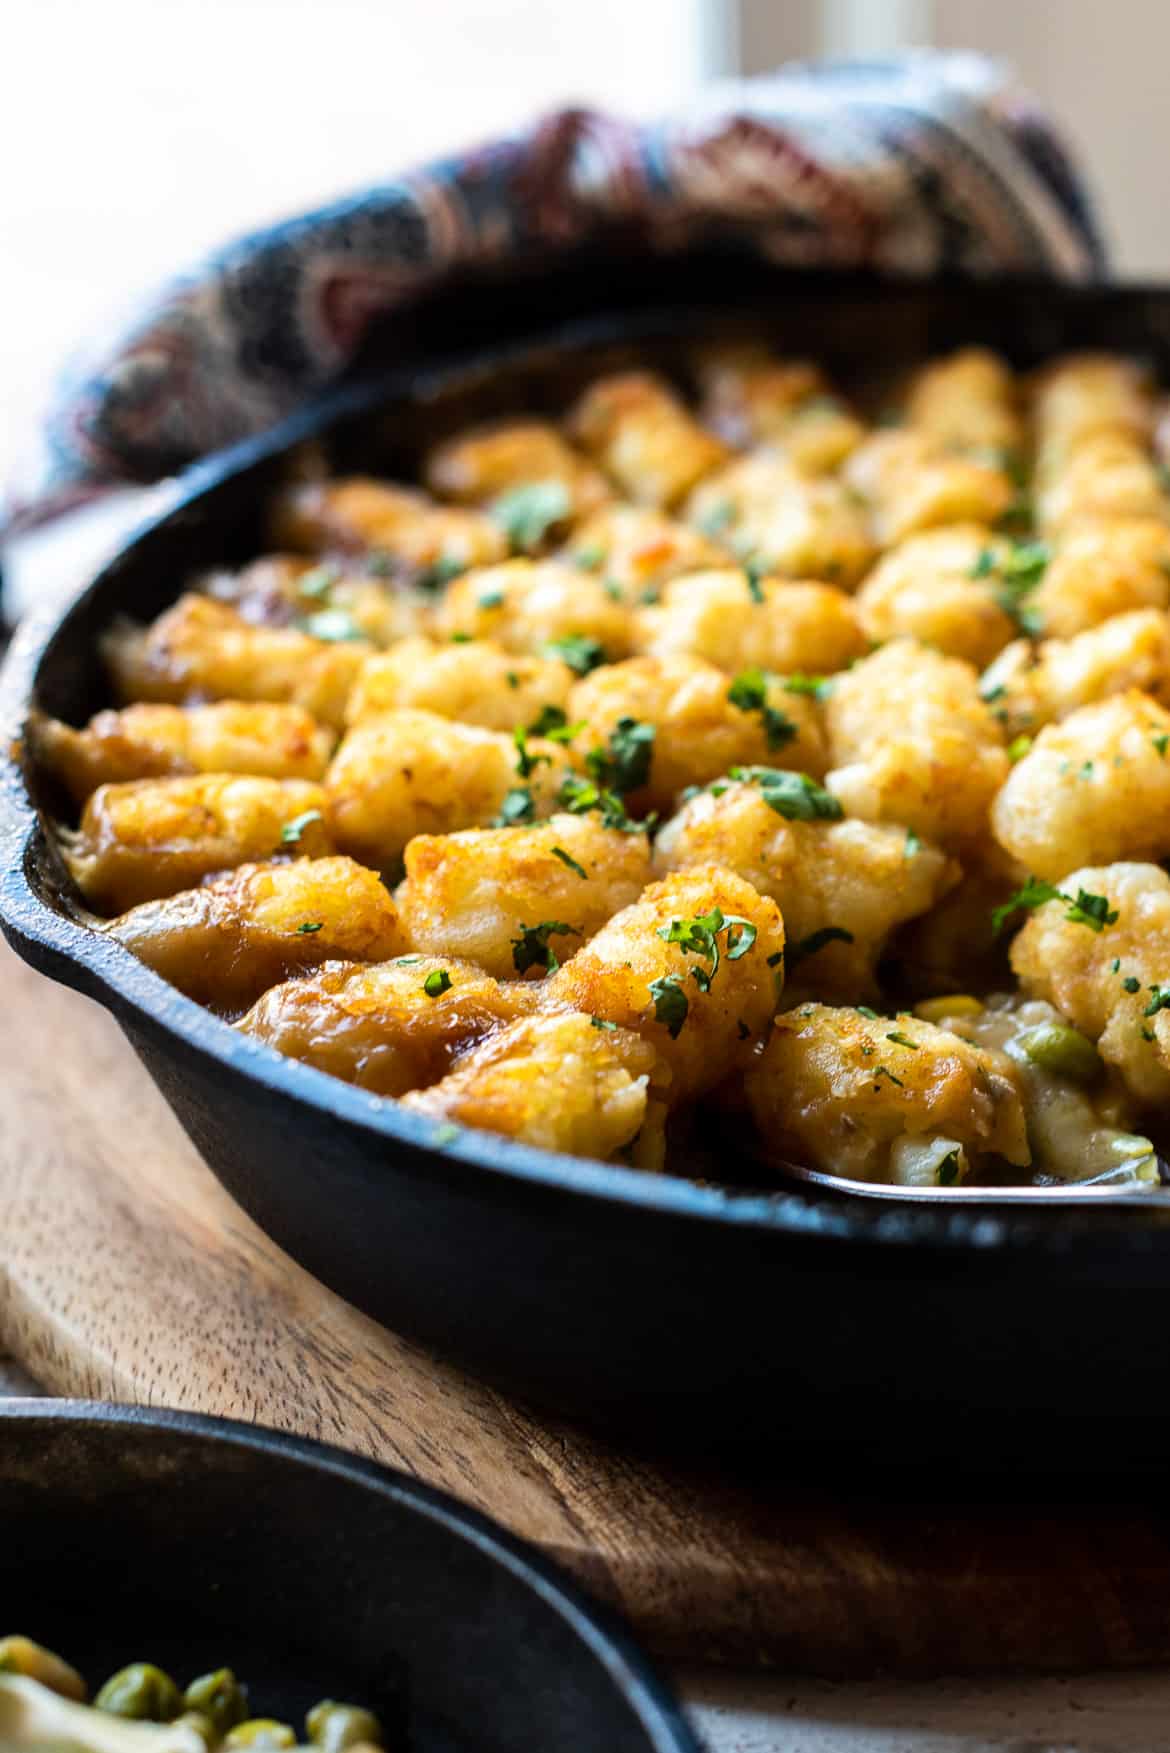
127 1273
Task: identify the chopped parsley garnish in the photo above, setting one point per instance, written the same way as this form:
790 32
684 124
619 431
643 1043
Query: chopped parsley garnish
518 806
792 795
902 1040
461 638
440 573
717 517
528 513
948 1169
581 651
491 599
700 937
819 687
407 961
1018 748
866 1010
1159 1000
318 582
512 679
749 692
569 862
989 695
437 982
578 796
553 724
795 953
308 926
590 557
753 575
332 625
532 948
913 844
290 834
1161 743
884 1071
985 563
1019 573
1131 984
600 1022
1091 910
624 764
525 762
670 1003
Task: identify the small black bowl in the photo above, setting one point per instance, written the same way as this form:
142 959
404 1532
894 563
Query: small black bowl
134 1534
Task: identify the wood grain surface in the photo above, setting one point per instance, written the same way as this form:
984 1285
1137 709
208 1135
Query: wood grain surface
127 1273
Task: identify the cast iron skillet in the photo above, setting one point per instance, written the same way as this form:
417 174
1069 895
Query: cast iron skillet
197 1543
827 1331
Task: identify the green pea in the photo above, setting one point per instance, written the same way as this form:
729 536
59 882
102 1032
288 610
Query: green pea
261 1731
141 1692
333 1727
220 1696
1065 1051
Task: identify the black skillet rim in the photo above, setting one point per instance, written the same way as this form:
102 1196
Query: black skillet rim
1092 1239
593 1624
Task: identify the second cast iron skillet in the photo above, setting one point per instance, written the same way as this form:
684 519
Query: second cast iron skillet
828 1332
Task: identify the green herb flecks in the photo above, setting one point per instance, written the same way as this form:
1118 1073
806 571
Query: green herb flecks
569 862
437 982
670 1003
527 514
623 765
1083 909
792 795
532 948
795 953
581 651
290 834
749 692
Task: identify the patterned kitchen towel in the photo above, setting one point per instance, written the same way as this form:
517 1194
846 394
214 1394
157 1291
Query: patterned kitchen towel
933 162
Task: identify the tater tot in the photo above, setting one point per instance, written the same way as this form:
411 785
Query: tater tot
968 400
147 741
476 681
635 426
478 893
555 1081
1083 393
634 550
1109 983
735 623
151 837
1102 569
749 398
1107 475
523 470
846 1093
912 483
842 887
410 534
228 941
942 587
391 1027
766 511
202 650
1092 789
1029 685
405 773
699 731
701 1015
910 741
541 608
321 598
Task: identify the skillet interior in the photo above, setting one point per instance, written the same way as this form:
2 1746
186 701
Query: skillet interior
648 1301
195 1543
